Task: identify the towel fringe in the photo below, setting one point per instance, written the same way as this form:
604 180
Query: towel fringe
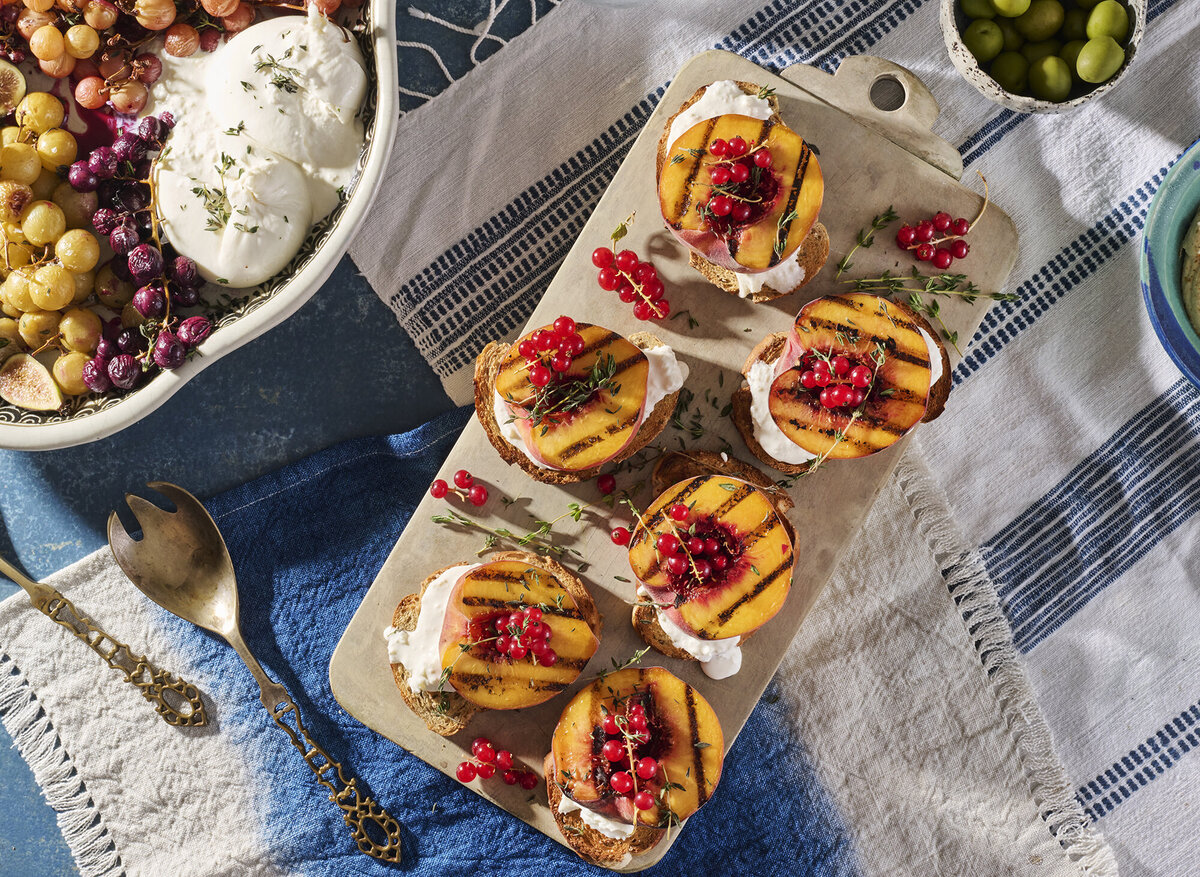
37 742
978 603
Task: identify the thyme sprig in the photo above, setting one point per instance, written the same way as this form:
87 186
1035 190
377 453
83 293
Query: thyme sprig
561 397
538 539
866 237
936 284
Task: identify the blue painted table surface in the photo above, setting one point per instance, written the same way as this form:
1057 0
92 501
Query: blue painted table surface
340 368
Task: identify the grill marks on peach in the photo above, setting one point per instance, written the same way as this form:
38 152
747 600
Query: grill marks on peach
497 682
741 602
855 325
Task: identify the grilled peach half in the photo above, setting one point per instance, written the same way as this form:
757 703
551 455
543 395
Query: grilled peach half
868 332
780 203
682 735
590 412
497 600
728 568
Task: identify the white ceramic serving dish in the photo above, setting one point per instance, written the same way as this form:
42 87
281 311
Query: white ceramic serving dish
88 418
953 20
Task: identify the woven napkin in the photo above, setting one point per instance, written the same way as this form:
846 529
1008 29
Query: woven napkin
897 738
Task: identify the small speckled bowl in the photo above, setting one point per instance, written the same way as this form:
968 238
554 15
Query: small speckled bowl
954 21
1171 212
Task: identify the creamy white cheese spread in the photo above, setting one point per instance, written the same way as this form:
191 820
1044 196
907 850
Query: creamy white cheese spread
783 278
266 138
666 376
719 658
935 358
418 649
608 827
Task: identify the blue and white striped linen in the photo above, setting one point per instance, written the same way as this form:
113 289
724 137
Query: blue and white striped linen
1069 452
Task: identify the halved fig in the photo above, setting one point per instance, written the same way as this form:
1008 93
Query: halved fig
682 735
586 414
493 601
870 333
728 569
780 203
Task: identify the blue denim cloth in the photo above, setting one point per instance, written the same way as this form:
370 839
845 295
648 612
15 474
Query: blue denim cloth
307 541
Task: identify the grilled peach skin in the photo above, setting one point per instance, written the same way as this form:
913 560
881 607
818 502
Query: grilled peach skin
598 431
752 590
767 240
686 740
493 681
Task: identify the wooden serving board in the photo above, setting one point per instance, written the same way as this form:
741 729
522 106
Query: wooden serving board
870 160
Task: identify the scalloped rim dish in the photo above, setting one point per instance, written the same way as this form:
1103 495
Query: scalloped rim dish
270 304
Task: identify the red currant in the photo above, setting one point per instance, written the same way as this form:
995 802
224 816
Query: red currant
548 658
702 568
573 345
942 221
533 613
626 293
662 309
516 651
860 376
539 375
528 780
607 483
479 743
564 326
677 564
602 257
906 235
720 561
762 158
637 710
643 800
741 212
808 379
614 750
925 231
737 147
942 258
645 272
544 340
720 205
485 771
465 772
856 396
739 172
711 546
678 512
695 545
924 252
560 362
719 148
438 489
463 479
642 310
653 289
527 349
538 648
820 365
610 725
621 782
626 260
719 175
608 278
668 544
620 535
503 643
841 365
959 249
822 378
486 754
509 777
637 722
477 495
960 226
826 398
516 619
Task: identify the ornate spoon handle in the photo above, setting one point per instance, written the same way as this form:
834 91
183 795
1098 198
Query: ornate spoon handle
359 811
152 682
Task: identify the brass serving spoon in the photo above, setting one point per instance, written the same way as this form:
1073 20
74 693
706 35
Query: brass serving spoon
152 682
183 565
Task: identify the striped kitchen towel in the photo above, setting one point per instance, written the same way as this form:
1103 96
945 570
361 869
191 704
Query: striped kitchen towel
1079 488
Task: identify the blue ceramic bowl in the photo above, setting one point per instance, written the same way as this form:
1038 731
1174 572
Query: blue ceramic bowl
1171 211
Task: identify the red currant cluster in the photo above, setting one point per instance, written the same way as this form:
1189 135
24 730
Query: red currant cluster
924 239
625 733
517 634
464 486
488 761
840 383
607 483
633 280
551 351
736 177
697 554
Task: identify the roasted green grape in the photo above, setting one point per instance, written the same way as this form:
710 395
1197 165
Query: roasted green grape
68 373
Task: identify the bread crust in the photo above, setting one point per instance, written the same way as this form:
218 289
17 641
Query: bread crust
588 843
458 711
813 250
487 365
771 348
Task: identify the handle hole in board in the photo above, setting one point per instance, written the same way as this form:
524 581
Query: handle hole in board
888 93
